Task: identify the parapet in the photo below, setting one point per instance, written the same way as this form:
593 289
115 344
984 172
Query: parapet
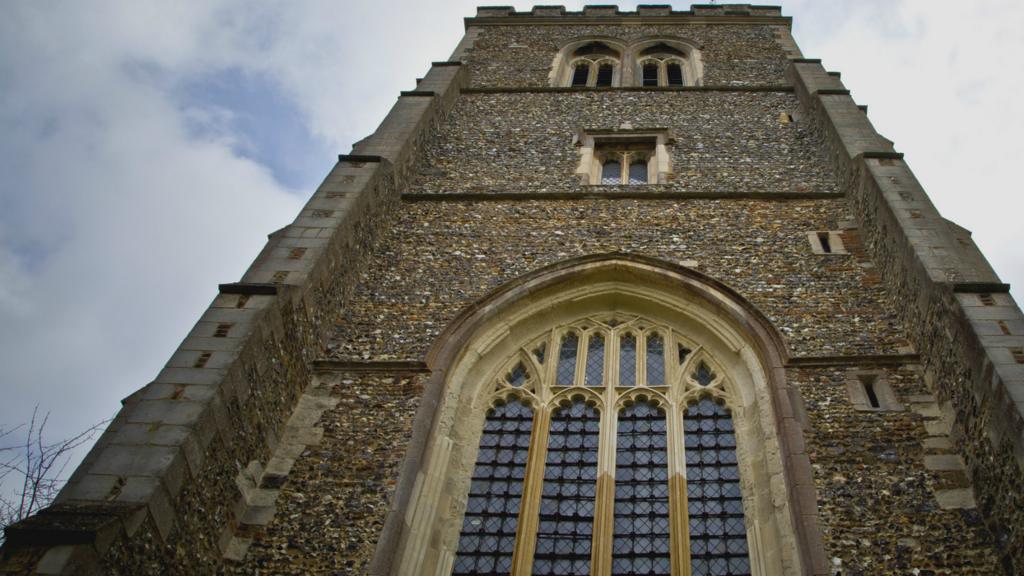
543 13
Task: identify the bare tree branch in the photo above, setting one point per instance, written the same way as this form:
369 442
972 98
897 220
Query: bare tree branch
36 465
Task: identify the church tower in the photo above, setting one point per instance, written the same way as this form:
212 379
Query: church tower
609 292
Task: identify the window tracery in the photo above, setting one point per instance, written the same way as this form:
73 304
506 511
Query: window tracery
610 389
609 62
595 64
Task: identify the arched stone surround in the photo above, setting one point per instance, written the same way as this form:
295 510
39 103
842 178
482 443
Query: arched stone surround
422 528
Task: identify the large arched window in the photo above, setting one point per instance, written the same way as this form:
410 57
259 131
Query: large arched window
607 416
640 394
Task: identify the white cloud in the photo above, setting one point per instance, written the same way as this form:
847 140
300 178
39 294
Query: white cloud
941 81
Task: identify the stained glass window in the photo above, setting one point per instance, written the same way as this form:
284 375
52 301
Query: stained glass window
718 536
703 375
595 360
567 360
627 360
567 506
636 512
517 377
489 527
641 542
655 360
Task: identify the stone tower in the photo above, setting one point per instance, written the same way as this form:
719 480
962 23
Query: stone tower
607 293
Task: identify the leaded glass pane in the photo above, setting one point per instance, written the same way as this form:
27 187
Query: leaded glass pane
604 75
683 353
638 172
627 360
566 520
517 377
718 536
641 542
655 360
595 360
580 74
567 360
703 375
611 172
539 351
675 74
650 74
492 511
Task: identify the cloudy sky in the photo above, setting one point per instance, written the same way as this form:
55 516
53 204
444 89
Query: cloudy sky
147 148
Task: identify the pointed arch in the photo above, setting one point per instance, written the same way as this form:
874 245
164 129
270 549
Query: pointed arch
779 494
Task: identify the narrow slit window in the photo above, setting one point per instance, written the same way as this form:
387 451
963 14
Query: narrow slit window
869 390
492 511
580 74
627 360
718 535
604 75
675 74
826 246
595 360
611 172
655 360
641 525
638 172
650 75
566 522
567 360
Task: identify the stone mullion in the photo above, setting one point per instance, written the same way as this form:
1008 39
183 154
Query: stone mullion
533 486
611 350
641 358
604 509
679 516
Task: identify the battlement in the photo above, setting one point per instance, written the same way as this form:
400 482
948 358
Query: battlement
544 14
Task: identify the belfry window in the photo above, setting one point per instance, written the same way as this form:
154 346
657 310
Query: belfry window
543 500
663 65
593 65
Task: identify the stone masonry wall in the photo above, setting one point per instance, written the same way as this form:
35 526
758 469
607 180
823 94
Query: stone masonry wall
936 278
521 56
876 496
725 143
332 508
442 256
